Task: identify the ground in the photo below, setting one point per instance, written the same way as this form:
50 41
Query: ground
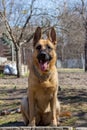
72 96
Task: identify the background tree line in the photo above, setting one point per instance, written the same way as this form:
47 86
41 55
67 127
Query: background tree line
18 21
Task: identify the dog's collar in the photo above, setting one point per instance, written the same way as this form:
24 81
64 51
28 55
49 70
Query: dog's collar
41 77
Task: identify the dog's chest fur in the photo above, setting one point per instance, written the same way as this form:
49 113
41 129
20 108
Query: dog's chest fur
43 92
43 97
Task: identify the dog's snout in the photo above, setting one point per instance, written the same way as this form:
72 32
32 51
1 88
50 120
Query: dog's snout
43 55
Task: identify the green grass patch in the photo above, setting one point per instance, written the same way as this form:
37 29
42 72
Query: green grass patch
2 75
9 118
9 105
71 121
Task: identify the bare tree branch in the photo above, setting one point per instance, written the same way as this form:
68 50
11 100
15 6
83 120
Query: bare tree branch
27 20
7 24
83 10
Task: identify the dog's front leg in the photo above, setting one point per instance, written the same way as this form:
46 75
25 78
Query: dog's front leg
31 108
53 110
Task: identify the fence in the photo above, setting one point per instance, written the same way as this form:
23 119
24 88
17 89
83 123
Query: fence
71 63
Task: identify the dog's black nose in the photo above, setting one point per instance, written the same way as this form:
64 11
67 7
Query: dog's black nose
43 55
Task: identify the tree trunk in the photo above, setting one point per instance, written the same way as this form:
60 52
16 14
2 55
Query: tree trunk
18 61
85 48
12 50
86 56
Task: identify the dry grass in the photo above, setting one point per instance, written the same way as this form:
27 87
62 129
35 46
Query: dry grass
70 70
73 97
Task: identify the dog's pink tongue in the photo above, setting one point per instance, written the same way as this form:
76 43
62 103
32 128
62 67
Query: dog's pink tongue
43 66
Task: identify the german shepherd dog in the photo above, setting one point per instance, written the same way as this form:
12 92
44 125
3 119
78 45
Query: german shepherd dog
41 106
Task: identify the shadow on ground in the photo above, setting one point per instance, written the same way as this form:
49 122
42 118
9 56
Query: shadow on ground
11 124
76 98
73 96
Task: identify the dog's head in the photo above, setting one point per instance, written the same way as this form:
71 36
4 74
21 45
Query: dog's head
44 50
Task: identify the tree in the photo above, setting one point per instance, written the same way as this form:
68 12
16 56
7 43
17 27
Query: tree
81 9
8 43
84 16
17 19
16 39
21 19
71 33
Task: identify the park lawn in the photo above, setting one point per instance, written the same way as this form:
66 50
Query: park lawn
72 96
68 104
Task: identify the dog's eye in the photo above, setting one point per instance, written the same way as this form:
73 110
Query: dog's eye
38 47
48 47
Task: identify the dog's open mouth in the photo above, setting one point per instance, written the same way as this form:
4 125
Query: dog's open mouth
43 60
43 65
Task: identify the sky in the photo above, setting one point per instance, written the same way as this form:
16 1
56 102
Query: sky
43 5
49 3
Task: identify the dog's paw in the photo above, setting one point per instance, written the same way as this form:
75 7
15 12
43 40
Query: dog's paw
53 123
58 123
32 124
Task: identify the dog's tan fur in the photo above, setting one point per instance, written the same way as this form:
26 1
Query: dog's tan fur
41 106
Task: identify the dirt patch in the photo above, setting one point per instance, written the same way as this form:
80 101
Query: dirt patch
76 80
72 96
74 101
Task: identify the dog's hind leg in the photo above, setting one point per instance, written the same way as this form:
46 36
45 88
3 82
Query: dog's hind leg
24 110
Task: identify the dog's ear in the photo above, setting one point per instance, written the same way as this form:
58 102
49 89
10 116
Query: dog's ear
52 36
37 35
